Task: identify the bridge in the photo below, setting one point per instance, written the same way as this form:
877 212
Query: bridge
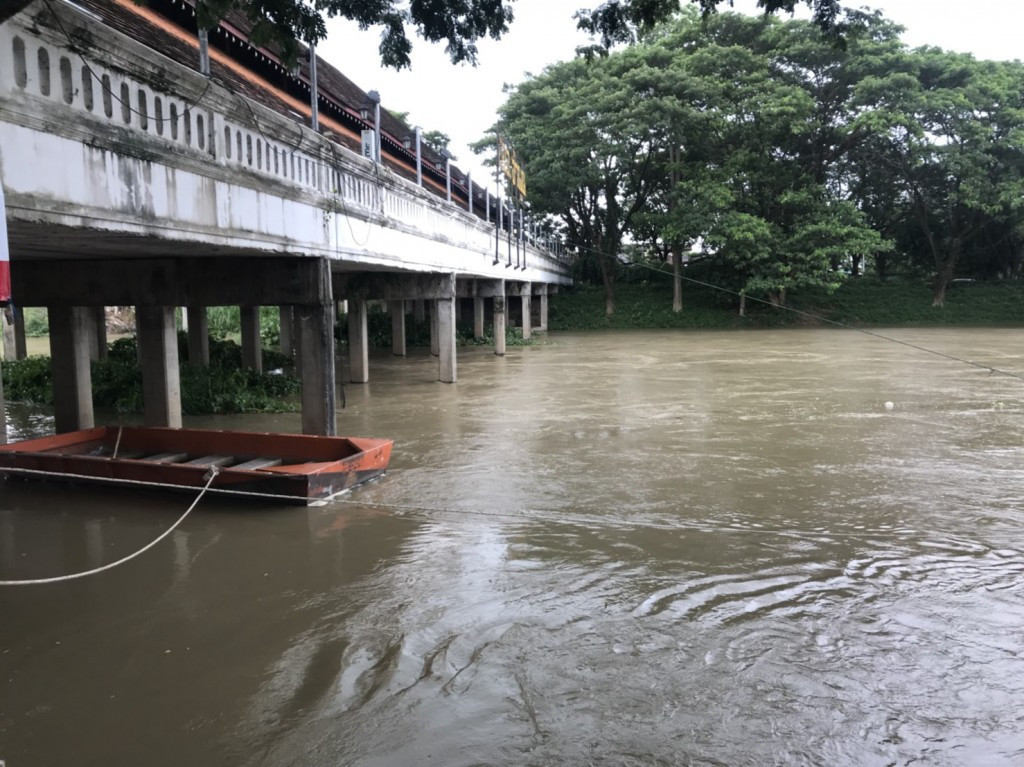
134 179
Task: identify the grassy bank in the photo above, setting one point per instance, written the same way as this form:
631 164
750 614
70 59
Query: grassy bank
862 301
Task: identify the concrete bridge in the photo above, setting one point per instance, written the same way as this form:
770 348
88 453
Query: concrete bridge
131 179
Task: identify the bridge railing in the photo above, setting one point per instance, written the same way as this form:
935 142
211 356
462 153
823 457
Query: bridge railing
57 60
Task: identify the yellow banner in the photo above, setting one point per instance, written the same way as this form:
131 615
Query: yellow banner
510 166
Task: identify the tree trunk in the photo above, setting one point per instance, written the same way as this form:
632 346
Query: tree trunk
609 285
677 278
945 275
743 303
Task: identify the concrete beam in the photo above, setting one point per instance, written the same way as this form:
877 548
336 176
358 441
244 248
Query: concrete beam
499 325
70 330
446 364
393 287
252 351
397 311
358 342
161 378
481 288
200 280
198 336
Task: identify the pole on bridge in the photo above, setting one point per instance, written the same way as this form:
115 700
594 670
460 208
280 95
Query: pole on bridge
314 90
419 156
469 190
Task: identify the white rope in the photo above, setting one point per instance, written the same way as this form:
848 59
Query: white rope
143 550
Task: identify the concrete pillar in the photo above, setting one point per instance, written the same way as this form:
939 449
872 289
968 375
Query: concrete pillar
314 355
444 312
543 310
434 347
397 310
478 318
499 325
70 331
20 347
252 354
287 331
9 342
99 326
198 336
161 379
358 342
527 325
419 311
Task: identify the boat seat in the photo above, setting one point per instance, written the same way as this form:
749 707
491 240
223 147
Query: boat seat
166 458
258 463
211 460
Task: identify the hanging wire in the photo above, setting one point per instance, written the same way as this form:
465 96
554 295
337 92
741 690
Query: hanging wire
818 318
126 104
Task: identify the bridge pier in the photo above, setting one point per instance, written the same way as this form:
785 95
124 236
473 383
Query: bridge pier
20 346
542 299
161 378
478 318
397 311
358 342
526 298
99 320
444 312
70 330
286 331
315 360
252 353
198 335
435 347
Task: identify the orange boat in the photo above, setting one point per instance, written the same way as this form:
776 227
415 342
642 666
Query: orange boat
294 468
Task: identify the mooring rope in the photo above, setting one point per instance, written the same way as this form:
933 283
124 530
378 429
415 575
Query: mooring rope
73 576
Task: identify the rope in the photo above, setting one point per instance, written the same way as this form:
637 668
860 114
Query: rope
73 576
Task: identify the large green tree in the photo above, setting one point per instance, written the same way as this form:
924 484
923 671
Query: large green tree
948 142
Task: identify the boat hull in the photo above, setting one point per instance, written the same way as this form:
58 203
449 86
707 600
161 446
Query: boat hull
291 468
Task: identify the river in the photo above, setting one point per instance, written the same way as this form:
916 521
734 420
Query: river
636 548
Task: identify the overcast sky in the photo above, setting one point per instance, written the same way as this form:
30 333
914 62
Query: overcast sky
462 100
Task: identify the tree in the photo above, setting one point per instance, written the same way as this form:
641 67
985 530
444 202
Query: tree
948 135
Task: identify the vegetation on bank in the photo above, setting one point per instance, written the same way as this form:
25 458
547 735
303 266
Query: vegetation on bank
859 302
224 387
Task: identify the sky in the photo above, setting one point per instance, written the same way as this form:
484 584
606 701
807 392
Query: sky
462 100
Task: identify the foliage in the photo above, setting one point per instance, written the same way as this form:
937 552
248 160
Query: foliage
865 301
37 323
224 387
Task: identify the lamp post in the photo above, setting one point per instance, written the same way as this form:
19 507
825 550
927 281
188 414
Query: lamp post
374 98
447 173
314 117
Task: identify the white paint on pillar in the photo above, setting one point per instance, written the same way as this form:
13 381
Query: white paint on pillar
161 378
444 311
499 325
70 331
397 311
478 318
358 342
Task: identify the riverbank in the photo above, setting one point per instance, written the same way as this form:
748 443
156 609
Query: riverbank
862 301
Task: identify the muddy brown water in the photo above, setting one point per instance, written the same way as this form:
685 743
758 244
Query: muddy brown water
649 548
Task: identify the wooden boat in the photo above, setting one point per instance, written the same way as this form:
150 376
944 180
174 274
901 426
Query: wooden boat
294 468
